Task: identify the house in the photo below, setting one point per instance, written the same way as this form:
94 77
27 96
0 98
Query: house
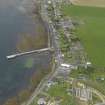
88 64
41 101
49 2
65 65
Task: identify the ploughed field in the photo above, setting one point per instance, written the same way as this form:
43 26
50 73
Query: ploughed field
97 3
91 30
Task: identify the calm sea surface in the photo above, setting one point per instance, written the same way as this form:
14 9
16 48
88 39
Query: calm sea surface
15 18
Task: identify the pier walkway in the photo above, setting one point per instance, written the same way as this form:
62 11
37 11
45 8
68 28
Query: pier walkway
29 52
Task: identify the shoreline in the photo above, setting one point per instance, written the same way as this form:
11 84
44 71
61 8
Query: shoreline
14 98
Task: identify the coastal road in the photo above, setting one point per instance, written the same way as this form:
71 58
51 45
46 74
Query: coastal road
41 86
55 45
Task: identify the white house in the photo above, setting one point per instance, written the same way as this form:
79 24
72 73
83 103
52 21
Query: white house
41 101
65 65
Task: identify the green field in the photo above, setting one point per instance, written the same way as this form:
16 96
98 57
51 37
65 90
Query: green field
91 32
60 90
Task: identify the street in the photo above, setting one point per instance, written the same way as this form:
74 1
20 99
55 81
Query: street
54 44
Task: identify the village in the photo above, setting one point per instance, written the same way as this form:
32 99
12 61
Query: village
62 87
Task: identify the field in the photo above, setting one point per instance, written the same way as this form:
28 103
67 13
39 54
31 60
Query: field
91 30
97 3
60 91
